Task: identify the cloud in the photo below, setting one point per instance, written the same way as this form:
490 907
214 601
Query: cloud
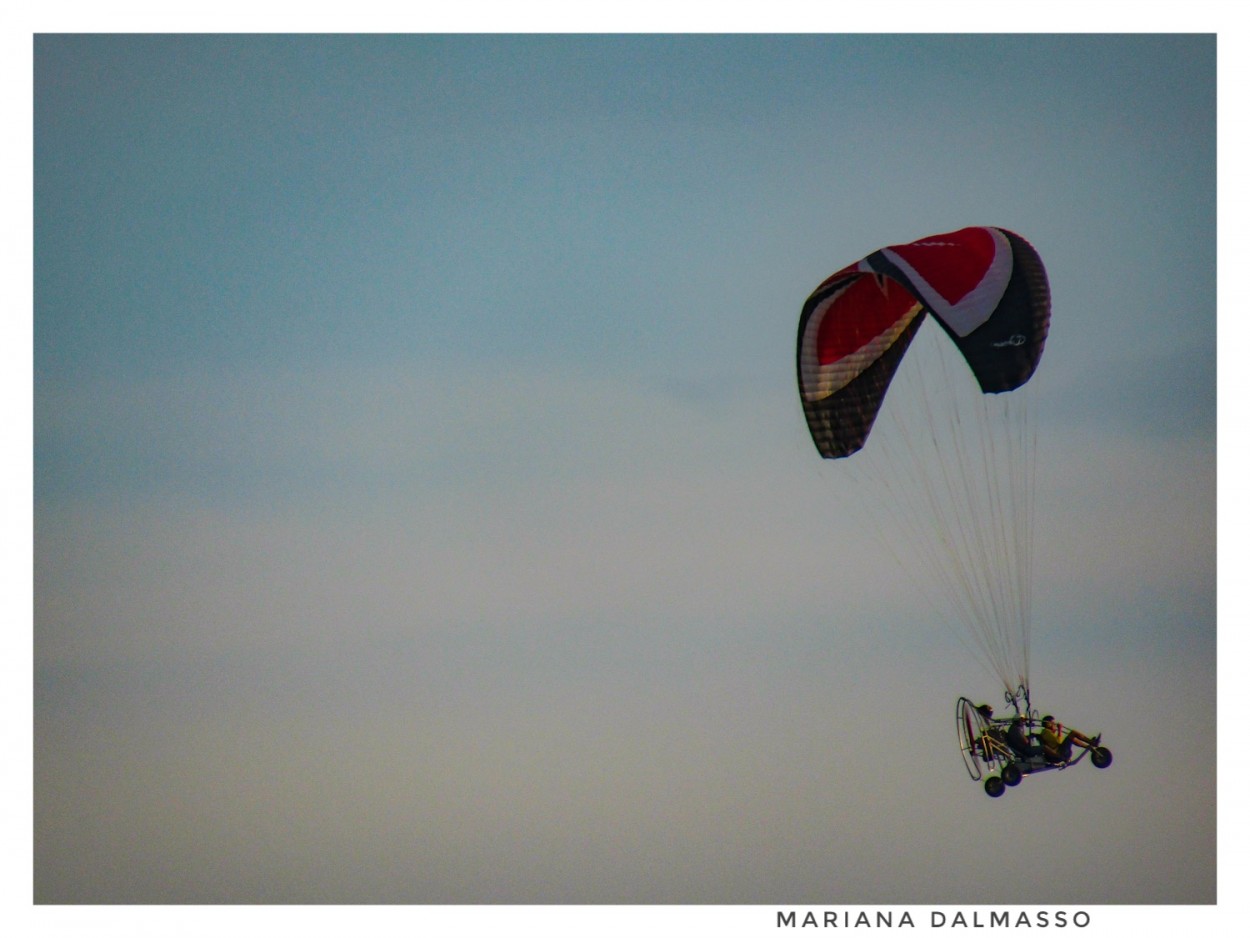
274 514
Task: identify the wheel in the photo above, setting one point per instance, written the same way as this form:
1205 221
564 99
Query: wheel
994 786
1011 774
1101 757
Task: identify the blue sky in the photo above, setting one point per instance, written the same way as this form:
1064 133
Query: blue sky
423 511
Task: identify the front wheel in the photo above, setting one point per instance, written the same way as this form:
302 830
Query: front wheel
994 786
1101 757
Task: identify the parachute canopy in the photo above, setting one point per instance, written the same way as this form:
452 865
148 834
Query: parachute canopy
947 481
985 286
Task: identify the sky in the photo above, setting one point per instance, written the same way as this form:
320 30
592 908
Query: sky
424 514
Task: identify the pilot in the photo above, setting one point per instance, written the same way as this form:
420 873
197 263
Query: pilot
1019 742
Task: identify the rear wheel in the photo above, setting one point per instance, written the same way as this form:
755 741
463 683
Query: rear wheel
1101 757
1011 774
994 786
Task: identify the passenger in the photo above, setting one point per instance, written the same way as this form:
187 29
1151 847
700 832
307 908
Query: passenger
1057 747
